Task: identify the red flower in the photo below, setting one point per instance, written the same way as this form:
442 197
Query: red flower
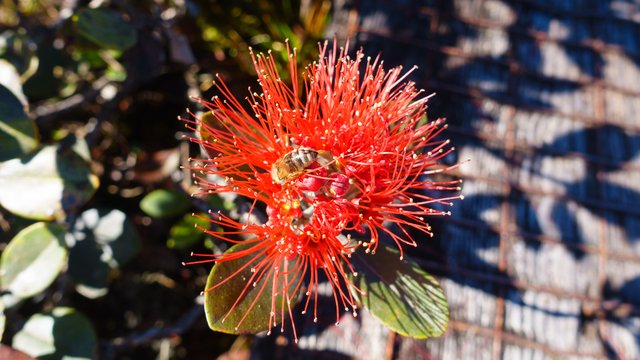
349 153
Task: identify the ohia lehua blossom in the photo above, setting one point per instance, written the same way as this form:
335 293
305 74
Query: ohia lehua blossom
337 162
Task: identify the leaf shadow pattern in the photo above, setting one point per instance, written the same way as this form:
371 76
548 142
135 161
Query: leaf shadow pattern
519 78
598 189
594 190
620 308
600 140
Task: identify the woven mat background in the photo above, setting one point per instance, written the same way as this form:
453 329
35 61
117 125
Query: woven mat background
542 258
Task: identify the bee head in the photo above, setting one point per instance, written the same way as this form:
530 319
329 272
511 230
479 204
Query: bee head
278 174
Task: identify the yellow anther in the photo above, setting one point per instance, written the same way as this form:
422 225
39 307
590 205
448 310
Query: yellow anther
285 207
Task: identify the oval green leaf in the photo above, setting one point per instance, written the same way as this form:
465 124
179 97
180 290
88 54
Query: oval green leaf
10 79
106 28
17 132
49 183
33 259
186 232
164 203
44 83
62 333
400 294
221 313
102 241
19 49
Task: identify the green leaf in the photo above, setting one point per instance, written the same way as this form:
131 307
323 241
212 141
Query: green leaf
164 203
103 240
400 294
10 79
106 28
62 333
49 79
49 183
33 259
256 301
17 132
18 48
184 234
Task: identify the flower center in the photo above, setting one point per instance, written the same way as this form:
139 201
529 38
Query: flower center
319 190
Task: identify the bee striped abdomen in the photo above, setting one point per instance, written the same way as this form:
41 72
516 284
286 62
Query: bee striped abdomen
301 158
293 163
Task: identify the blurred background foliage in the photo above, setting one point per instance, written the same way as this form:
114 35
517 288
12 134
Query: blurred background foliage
95 209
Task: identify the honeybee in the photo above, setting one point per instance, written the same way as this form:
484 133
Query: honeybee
294 163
